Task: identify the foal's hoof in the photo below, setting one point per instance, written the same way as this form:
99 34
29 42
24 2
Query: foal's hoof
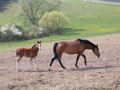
18 70
37 70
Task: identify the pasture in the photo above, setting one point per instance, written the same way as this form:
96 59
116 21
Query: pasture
96 22
100 74
85 19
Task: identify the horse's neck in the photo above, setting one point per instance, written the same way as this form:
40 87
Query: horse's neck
87 46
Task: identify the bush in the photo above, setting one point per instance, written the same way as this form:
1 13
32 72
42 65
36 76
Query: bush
10 32
52 22
33 10
32 31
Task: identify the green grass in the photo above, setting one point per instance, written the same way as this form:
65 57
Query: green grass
85 19
92 16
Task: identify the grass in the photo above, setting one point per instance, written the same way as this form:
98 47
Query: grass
85 19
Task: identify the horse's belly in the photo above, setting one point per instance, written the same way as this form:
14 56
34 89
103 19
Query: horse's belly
74 50
71 51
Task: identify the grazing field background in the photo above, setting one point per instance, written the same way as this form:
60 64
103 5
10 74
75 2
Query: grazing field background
85 19
95 20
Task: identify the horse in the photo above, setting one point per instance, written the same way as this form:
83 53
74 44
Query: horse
28 52
73 47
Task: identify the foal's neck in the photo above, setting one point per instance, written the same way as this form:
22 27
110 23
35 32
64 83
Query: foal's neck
35 49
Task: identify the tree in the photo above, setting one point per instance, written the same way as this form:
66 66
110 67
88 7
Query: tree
35 9
52 22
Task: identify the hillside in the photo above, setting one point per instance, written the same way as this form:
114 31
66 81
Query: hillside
84 16
85 19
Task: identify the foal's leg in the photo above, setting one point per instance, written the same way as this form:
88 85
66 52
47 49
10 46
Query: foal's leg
35 64
29 65
52 60
84 59
18 67
78 56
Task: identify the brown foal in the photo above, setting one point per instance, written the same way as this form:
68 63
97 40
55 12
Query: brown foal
28 52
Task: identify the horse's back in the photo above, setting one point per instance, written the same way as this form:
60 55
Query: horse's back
70 47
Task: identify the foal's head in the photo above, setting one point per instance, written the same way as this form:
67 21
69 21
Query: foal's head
37 45
96 51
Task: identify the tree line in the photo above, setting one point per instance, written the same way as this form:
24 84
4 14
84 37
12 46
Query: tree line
38 18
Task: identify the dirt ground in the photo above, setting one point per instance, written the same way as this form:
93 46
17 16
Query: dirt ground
101 73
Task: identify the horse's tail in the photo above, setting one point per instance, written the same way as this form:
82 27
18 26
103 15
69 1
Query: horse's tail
54 50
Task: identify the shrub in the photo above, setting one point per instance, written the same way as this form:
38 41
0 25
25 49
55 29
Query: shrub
52 22
10 32
32 31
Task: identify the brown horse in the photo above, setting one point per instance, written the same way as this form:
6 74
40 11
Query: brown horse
73 47
28 52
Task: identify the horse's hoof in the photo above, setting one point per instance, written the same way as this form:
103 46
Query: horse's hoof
49 70
64 67
76 66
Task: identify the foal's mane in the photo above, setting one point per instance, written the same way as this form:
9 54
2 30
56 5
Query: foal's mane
33 46
87 41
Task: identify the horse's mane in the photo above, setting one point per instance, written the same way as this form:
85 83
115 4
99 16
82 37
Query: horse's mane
33 46
87 41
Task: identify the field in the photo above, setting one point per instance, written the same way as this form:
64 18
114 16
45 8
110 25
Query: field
94 21
85 19
101 73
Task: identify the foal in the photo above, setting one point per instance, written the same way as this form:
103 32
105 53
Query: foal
73 47
28 52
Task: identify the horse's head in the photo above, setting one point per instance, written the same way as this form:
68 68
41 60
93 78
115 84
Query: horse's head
96 51
39 45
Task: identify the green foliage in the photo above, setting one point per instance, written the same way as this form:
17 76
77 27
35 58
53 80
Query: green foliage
52 22
35 9
85 18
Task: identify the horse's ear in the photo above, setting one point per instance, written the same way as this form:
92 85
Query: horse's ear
97 45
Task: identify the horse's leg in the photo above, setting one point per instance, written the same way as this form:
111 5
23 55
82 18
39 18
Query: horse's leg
61 63
52 60
36 68
78 56
18 67
84 59
29 65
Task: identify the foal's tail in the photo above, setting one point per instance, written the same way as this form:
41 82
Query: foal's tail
17 52
54 50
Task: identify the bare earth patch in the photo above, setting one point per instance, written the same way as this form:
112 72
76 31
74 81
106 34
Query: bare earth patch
101 73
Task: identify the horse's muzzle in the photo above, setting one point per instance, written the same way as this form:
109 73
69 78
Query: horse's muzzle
98 56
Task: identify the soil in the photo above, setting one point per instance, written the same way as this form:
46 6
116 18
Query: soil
101 73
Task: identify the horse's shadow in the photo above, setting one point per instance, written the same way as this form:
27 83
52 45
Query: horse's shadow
91 68
46 71
76 69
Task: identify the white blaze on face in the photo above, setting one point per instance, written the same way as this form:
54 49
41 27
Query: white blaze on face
39 46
